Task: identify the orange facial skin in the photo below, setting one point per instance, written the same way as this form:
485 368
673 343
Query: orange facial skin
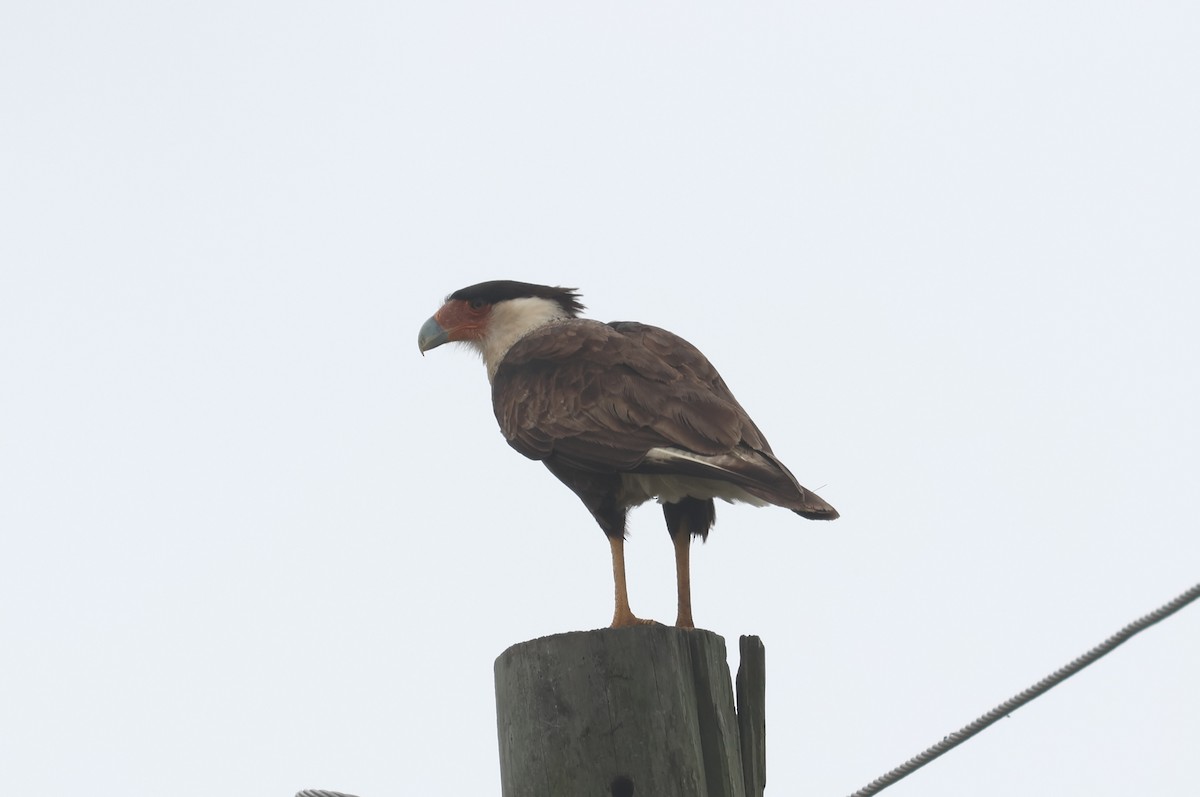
456 320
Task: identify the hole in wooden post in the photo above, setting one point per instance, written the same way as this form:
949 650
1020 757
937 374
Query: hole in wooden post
622 786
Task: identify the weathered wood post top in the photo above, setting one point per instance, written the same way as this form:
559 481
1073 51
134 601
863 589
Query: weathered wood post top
646 711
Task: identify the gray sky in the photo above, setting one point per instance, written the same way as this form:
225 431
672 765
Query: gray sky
946 256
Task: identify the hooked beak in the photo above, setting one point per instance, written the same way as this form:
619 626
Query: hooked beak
432 335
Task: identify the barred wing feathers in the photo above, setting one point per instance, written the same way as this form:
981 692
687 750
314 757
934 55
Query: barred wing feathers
631 398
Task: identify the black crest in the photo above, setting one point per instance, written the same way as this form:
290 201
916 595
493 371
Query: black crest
503 290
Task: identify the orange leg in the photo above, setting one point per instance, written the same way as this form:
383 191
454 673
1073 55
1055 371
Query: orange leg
622 615
683 577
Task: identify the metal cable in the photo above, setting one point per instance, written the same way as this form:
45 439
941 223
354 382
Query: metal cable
321 793
1013 703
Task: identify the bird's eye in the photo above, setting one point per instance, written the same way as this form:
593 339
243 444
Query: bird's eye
476 304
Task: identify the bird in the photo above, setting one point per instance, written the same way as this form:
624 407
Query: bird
621 413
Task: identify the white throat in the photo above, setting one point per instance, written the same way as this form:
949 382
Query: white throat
510 321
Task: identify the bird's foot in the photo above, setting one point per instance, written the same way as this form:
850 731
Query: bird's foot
628 620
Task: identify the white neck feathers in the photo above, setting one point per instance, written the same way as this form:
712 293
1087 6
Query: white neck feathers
510 321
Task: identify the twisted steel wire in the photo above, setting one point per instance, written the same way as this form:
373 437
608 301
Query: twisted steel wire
1013 703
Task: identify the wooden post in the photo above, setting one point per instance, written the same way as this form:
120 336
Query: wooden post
645 711
752 706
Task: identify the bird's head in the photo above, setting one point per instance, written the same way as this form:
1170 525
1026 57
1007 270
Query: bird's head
491 316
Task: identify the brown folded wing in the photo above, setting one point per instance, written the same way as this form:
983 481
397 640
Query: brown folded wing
602 395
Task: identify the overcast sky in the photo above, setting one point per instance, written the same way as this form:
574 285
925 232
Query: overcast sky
945 254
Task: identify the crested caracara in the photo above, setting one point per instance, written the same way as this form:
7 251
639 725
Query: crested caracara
620 413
